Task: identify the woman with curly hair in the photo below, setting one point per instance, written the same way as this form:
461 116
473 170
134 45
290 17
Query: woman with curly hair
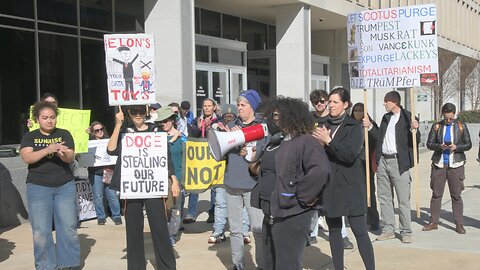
291 178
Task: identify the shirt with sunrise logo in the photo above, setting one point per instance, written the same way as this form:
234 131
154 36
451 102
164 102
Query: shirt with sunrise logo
49 171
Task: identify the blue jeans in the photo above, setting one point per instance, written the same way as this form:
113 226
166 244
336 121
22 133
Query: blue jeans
58 204
192 205
98 190
220 210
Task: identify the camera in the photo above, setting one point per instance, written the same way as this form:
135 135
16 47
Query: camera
448 143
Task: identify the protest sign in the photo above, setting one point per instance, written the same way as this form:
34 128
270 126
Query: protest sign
130 64
86 206
395 47
75 121
201 170
144 166
97 155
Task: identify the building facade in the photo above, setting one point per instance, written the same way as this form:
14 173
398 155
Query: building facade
211 48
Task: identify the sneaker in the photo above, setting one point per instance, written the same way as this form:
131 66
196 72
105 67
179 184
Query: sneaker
101 221
386 236
216 239
406 239
347 244
118 221
189 219
173 240
312 240
246 239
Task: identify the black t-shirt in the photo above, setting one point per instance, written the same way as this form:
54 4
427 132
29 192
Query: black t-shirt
50 171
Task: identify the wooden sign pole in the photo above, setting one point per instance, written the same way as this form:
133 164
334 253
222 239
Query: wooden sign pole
415 157
367 154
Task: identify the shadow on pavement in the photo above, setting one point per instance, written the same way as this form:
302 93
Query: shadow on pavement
6 249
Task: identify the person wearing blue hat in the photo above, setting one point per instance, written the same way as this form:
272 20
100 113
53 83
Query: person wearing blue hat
239 183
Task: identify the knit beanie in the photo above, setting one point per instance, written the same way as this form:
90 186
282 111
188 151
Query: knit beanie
252 97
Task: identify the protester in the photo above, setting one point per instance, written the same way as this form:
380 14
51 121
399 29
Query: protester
100 178
395 158
181 121
153 112
319 100
51 190
185 107
345 194
167 121
358 114
449 139
155 207
48 98
288 209
200 125
239 183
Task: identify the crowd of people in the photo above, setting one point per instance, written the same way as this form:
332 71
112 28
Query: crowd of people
310 168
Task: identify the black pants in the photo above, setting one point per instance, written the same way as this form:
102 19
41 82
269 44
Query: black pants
289 237
158 226
359 228
373 218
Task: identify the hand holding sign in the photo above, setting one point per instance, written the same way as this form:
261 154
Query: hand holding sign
119 117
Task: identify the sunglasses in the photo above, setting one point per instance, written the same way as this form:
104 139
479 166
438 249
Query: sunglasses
322 101
137 111
98 130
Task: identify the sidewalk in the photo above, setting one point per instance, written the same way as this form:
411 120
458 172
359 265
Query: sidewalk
103 247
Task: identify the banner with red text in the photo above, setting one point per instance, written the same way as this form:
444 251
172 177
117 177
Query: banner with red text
130 63
395 47
144 166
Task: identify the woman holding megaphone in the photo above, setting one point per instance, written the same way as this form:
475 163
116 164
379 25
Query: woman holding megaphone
134 218
291 177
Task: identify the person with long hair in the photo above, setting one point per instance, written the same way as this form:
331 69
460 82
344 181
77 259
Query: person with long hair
358 114
345 194
292 175
155 207
51 190
100 178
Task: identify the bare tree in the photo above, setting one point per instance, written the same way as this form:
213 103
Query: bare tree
471 73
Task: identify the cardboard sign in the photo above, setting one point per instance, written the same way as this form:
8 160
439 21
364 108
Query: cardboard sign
86 205
97 155
130 63
75 121
201 170
144 166
395 47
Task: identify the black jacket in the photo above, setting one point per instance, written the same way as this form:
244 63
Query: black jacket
461 138
403 136
301 172
345 194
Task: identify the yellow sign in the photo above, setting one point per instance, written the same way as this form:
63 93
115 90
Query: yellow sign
201 170
75 121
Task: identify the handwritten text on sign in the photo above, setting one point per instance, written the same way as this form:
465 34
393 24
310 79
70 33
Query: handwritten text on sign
201 170
144 166
394 47
86 206
130 63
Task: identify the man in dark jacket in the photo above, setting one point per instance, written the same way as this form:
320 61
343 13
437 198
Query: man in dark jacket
394 159
449 139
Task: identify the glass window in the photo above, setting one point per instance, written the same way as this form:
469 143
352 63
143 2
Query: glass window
272 38
96 14
17 83
22 8
231 27
228 57
94 88
255 34
59 68
129 17
210 23
197 21
201 53
201 89
59 11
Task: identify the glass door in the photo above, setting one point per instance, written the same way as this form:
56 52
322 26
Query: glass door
220 87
